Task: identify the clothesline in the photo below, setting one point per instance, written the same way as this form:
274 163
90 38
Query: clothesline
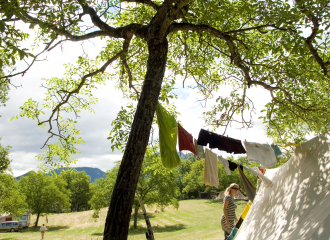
170 131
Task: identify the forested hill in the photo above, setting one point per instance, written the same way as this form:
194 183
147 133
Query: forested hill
94 173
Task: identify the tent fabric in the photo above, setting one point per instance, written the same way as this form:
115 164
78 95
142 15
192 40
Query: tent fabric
237 196
297 205
168 134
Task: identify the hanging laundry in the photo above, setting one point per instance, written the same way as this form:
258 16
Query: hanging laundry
205 137
199 149
230 145
261 153
232 165
246 185
255 171
211 169
225 164
289 144
186 141
276 149
168 134
261 170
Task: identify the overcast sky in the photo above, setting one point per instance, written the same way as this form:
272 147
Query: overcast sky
26 138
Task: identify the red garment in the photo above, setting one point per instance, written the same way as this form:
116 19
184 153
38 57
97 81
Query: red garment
261 170
186 141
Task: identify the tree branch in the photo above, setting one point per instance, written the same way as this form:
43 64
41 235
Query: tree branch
309 40
81 84
145 2
34 59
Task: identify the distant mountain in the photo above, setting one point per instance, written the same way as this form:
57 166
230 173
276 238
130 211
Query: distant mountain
94 173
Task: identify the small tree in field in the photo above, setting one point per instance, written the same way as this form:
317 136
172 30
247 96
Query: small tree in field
153 45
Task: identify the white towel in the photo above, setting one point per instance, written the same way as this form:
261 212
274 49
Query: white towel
261 153
225 164
255 171
199 149
211 169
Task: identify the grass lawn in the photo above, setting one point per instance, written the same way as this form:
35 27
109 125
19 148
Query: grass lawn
195 219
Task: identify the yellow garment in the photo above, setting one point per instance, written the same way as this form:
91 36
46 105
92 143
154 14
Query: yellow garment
246 210
290 144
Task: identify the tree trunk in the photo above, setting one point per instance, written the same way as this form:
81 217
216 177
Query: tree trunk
119 213
136 210
37 220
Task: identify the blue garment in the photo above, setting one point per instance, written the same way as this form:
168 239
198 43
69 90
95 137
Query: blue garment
233 233
276 149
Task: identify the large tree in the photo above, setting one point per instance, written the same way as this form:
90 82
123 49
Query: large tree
45 194
278 46
78 184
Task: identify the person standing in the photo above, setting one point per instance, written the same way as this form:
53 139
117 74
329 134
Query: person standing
229 216
42 230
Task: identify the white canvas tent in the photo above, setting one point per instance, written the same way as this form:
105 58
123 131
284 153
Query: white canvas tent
297 205
237 196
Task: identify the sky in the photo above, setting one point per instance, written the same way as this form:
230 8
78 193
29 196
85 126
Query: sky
26 138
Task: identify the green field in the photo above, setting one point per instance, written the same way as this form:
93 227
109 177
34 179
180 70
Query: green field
195 219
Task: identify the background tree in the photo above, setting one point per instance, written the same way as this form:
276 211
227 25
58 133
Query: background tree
184 168
78 184
45 194
101 190
11 199
4 158
281 48
156 186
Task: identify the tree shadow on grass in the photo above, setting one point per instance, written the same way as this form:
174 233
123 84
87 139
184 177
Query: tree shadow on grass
49 229
140 216
156 229
97 234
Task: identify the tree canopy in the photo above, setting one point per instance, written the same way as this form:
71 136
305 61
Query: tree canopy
45 194
78 185
279 46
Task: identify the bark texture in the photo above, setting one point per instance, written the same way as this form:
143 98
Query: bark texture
118 218
136 210
37 220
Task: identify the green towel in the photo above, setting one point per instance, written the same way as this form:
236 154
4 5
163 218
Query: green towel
168 135
276 149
